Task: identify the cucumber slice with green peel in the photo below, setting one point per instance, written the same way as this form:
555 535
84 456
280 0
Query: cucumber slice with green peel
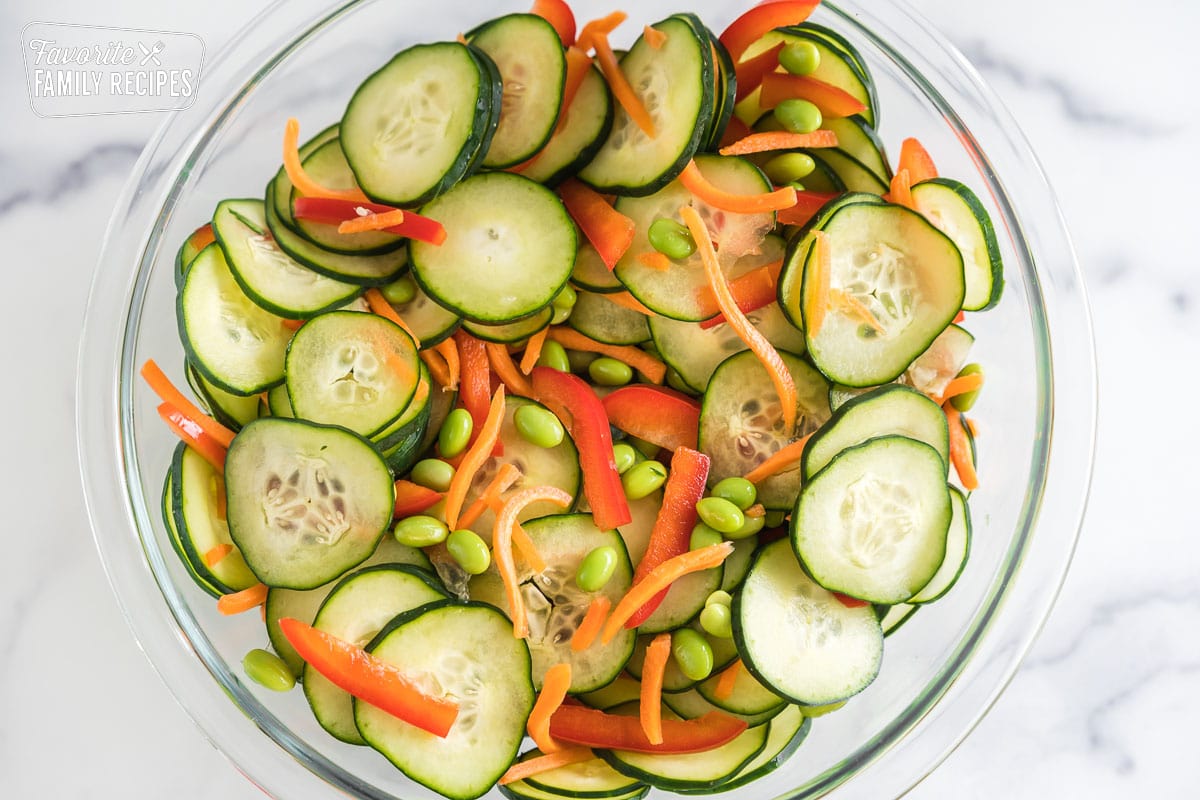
511 332
591 274
839 41
684 601
621 690
587 779
823 178
738 563
441 403
691 704
529 55
429 322
278 402
603 320
798 638
857 139
233 342
749 697
413 129
785 733
836 68
279 190
724 93
643 514
509 249
401 443
523 790
305 502
167 508
674 681
888 410
355 611
467 652
269 276
933 370
555 605
873 524
741 423
906 273
675 84
854 175
359 371
186 254
231 410
895 616
955 210
958 547
580 136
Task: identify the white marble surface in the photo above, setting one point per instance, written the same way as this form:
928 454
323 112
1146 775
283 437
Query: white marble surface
1103 707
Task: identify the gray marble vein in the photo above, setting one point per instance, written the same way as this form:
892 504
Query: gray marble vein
103 159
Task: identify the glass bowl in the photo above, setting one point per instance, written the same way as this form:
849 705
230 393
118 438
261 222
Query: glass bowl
941 672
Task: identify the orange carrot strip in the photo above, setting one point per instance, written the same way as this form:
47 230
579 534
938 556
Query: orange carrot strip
626 300
383 308
852 305
473 459
214 555
778 461
300 179
780 140
293 324
503 366
527 549
540 764
578 65
654 37
654 260
437 367
193 435
589 626
961 385
162 386
695 182
554 690
460 38
448 349
661 577
502 546
653 669
724 688
619 85
916 159
372 222
505 477
901 191
822 260
781 376
238 602
960 450
833 101
599 27
533 350
649 366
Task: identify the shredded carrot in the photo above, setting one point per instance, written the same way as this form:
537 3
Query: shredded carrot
527 548
533 350
473 459
217 553
916 159
961 385
460 39
599 27
853 306
781 376
194 436
536 766
238 602
437 368
654 37
901 190
506 370
555 684
162 386
502 532
755 511
972 425
818 298
649 366
779 140
372 222
694 181
626 300
300 179
589 626
448 349
383 308
619 85
660 578
654 260
503 480
778 461
578 66
960 450
653 669
728 679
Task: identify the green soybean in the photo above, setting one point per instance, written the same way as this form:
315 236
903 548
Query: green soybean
561 315
789 168
420 531
648 449
538 426
693 654
624 456
610 372
966 401
773 519
717 620
798 116
267 669
719 598
643 479
596 569
704 536
553 355
469 551
671 238
433 473
800 58
751 526
401 291
720 514
566 298
455 433
579 360
738 491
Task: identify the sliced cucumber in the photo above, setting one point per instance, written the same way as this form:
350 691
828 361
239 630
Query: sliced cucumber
955 210
798 638
507 228
933 370
401 443
305 502
278 403
840 42
279 190
738 563
202 579
674 681
894 616
523 790
621 690
749 697
429 322
231 410
466 653
684 601
588 121
643 516
691 704
724 95
823 178
837 68
591 273
958 547
511 332
857 139
594 778
187 253
854 175
785 733
603 320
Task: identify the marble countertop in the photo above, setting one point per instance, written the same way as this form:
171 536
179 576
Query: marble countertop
1103 705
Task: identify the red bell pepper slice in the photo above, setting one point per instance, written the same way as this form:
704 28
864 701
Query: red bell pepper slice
370 679
848 601
752 291
474 380
332 211
751 26
657 414
413 498
807 206
609 231
559 15
672 533
750 73
574 402
833 102
202 237
594 728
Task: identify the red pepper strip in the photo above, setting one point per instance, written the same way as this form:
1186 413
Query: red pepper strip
750 73
334 212
807 206
663 416
735 131
752 291
916 159
474 380
833 102
672 533
202 237
848 601
609 231
581 411
594 728
750 27
959 317
559 15
413 498
370 679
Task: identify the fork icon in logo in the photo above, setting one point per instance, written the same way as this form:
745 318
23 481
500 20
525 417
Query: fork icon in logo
152 54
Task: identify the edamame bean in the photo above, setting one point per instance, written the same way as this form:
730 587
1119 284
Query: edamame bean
647 449
596 569
420 531
566 298
644 478
773 519
693 654
703 536
554 356
610 372
751 526
719 597
966 401
798 116
267 669
624 456
579 360
738 491
433 473
671 239
456 432
401 291
720 514
789 168
538 426
717 620
469 551
800 58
